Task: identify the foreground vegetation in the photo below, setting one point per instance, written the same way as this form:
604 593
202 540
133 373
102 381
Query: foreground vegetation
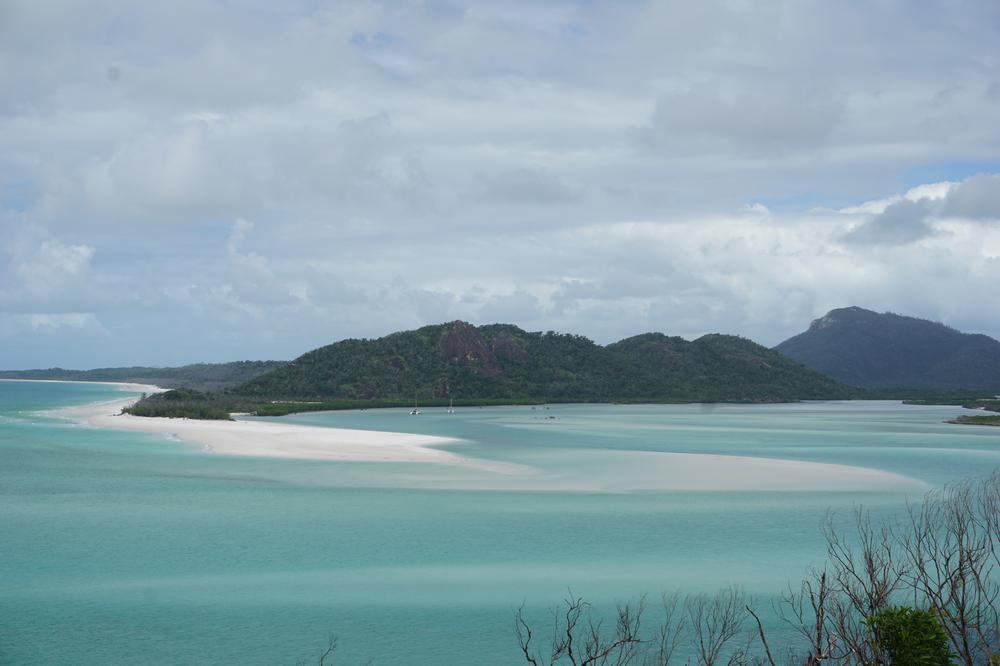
922 591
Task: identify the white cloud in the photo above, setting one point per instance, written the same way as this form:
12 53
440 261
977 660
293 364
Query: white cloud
42 321
51 267
916 215
757 209
930 191
42 273
566 165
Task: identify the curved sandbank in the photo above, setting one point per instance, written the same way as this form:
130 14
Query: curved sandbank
567 469
660 470
284 440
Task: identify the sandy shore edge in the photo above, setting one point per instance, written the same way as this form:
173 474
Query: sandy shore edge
619 470
277 440
124 386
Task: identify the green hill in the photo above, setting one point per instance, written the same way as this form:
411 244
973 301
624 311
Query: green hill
865 348
721 368
460 361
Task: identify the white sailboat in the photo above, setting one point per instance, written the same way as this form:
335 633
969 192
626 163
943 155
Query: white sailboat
414 411
451 406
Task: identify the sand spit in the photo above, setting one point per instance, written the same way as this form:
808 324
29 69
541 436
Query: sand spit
656 470
267 439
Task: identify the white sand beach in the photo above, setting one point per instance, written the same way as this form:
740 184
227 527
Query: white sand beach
280 440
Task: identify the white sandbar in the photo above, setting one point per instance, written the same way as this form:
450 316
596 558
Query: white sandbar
283 440
656 470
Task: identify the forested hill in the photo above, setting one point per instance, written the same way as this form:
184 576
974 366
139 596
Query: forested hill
201 376
460 361
865 348
722 368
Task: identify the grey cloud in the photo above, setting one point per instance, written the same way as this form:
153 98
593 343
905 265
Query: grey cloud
992 92
767 121
517 306
977 198
249 275
900 223
324 288
426 305
523 186
199 168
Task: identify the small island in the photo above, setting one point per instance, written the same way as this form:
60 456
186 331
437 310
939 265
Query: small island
977 420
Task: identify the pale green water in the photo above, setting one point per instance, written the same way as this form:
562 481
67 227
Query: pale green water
118 547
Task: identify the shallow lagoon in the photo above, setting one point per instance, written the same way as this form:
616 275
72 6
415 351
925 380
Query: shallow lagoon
123 547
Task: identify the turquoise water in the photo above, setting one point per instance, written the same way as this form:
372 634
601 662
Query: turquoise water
119 547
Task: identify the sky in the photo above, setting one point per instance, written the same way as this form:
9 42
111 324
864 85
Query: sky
220 180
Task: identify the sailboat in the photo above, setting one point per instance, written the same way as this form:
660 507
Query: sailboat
451 406
414 411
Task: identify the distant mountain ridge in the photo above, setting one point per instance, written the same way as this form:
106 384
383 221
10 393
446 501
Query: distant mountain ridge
201 376
501 361
887 350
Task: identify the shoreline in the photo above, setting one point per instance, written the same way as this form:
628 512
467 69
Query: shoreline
621 470
284 440
124 386
982 421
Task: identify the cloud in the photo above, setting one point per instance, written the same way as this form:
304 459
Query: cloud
978 198
519 305
583 166
903 221
45 322
52 266
325 286
41 273
756 209
769 121
913 216
523 186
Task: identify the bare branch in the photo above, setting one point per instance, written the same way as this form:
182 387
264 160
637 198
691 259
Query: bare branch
763 638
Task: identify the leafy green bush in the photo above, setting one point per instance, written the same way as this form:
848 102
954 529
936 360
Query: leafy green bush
910 637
